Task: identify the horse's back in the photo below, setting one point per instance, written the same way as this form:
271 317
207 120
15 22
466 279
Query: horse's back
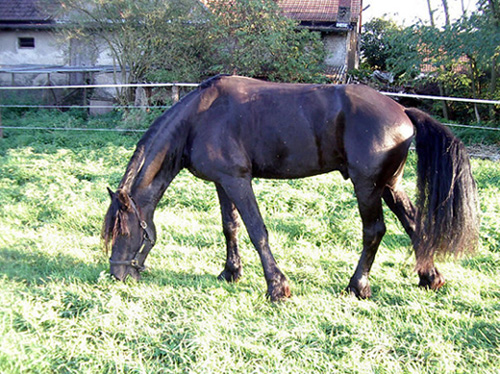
278 130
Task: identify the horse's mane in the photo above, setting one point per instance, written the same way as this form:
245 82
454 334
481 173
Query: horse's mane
115 221
134 166
211 81
138 159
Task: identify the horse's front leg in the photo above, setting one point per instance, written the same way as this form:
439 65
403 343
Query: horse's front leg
230 225
240 192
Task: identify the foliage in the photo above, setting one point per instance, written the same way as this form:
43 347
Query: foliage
461 58
254 38
378 41
184 40
60 311
141 35
479 40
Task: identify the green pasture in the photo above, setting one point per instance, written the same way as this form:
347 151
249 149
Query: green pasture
60 311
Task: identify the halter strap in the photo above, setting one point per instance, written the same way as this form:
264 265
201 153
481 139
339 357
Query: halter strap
148 234
146 244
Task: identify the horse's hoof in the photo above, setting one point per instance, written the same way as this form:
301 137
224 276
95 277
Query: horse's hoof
432 280
361 292
231 276
278 290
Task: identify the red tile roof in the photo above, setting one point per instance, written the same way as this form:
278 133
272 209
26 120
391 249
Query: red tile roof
322 10
300 10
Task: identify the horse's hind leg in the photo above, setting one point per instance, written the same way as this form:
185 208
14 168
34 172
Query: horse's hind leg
399 202
240 192
230 225
370 209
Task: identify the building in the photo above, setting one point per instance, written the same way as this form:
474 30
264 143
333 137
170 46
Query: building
339 22
30 49
33 52
26 34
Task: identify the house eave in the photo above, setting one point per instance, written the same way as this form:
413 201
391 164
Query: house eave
328 27
15 26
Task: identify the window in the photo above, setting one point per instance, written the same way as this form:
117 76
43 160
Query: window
26 42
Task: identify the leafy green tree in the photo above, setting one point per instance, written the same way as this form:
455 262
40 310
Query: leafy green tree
188 40
491 10
474 42
142 36
254 38
377 42
389 47
460 58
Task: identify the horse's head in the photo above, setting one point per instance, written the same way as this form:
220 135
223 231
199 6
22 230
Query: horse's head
128 235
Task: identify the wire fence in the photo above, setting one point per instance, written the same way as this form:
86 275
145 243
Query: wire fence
443 98
70 129
85 86
20 106
175 86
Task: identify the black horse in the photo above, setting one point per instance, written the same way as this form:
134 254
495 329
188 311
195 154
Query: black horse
232 129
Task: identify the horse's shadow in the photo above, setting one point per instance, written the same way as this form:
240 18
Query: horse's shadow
202 282
36 267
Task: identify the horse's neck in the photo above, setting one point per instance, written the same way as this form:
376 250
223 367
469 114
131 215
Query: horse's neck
162 162
158 157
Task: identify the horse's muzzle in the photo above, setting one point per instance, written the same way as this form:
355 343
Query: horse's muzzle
121 272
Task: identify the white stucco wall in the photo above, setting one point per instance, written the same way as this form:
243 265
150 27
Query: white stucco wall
48 49
336 48
104 54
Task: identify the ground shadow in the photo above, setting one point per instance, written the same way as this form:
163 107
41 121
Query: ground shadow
35 267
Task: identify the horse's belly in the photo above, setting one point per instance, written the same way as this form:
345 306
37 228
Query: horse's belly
293 168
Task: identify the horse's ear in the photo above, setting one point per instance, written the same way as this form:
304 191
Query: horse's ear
111 193
124 199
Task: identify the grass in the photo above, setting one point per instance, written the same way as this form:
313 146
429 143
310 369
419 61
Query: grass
61 312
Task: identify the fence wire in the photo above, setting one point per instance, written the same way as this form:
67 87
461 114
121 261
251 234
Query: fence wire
193 85
185 85
17 106
69 129
143 130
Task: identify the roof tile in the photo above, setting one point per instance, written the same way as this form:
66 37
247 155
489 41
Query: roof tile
322 10
26 11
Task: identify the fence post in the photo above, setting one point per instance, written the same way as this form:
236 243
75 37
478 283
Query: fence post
1 128
141 99
175 93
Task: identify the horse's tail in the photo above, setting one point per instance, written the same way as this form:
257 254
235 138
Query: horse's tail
447 219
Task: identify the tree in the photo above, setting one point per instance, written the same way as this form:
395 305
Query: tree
387 46
492 9
141 35
254 38
446 12
377 42
184 39
478 38
431 13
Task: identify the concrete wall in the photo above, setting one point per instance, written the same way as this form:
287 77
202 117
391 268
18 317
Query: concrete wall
51 50
336 49
48 49
354 52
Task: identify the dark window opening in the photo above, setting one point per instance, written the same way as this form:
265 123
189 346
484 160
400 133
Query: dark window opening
26 42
